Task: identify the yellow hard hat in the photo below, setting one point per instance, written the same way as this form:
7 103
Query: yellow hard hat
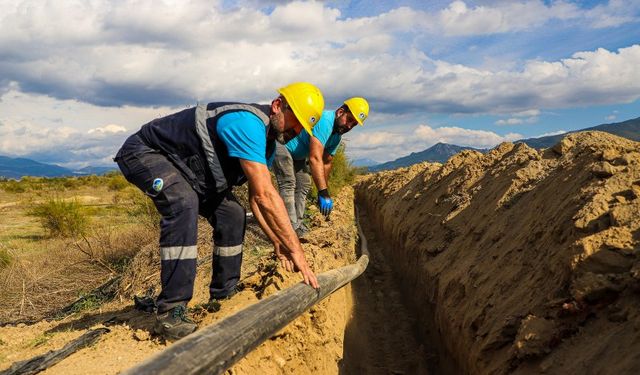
359 108
306 101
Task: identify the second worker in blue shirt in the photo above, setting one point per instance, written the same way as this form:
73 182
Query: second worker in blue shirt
290 164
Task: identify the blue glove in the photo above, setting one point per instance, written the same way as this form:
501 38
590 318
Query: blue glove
325 202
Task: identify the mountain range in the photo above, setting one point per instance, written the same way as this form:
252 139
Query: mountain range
629 129
19 167
441 152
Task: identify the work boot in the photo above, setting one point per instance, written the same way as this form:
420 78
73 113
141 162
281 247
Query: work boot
174 324
214 302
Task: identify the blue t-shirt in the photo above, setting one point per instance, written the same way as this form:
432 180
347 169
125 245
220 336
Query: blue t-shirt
299 146
245 136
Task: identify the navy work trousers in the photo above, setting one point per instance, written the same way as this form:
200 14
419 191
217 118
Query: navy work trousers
179 204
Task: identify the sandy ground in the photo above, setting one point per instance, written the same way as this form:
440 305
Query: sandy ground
312 344
524 261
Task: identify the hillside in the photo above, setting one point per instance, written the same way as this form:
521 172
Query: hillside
439 152
365 162
629 129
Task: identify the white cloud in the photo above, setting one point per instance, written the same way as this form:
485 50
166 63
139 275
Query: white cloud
528 113
510 121
66 132
529 117
612 116
140 53
613 13
550 133
463 137
108 129
459 19
385 146
587 78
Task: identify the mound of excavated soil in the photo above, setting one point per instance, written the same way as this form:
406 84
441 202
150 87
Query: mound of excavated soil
521 261
311 344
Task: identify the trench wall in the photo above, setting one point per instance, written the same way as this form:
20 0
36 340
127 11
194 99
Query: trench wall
519 260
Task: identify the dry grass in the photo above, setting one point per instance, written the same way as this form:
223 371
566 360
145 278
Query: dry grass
40 275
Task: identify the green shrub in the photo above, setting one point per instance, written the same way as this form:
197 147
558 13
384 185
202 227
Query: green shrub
116 182
342 173
61 218
92 180
13 186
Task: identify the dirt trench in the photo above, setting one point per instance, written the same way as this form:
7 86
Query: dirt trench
382 336
518 260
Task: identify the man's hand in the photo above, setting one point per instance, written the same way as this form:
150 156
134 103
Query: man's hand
268 208
285 262
295 262
325 202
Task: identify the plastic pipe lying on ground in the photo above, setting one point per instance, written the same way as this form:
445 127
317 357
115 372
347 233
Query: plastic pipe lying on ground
213 349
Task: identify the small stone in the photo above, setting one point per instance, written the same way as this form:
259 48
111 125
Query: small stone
280 361
610 155
141 335
603 170
563 146
621 199
535 337
627 159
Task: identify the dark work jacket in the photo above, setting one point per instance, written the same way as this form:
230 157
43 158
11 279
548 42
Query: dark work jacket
190 140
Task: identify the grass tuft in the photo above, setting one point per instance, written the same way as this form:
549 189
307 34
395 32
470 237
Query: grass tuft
5 258
61 218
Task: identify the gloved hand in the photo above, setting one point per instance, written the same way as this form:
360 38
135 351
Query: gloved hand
325 202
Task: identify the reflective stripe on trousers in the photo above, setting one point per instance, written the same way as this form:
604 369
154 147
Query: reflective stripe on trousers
228 221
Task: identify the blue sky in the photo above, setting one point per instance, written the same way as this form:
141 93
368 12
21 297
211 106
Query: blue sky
77 77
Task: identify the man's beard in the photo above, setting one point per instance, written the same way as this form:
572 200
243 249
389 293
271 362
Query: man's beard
286 136
273 125
283 136
337 129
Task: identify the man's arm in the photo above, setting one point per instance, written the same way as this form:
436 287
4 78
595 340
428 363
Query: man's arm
316 151
269 210
327 159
